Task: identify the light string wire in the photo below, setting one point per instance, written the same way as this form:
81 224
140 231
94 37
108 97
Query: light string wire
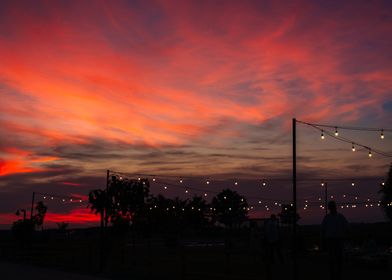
347 127
346 140
64 198
261 200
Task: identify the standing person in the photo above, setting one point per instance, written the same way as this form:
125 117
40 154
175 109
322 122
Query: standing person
334 229
272 243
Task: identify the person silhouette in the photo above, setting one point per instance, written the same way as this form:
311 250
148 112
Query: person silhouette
334 229
272 243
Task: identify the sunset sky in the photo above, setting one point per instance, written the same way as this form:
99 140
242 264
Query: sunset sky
205 89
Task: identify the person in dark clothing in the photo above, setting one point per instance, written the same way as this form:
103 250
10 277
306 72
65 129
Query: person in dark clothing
334 228
272 243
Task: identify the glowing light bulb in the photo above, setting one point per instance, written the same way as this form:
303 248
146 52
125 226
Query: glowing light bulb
322 184
205 194
181 181
165 187
370 153
264 183
153 179
322 134
236 183
382 134
208 182
336 131
186 191
353 148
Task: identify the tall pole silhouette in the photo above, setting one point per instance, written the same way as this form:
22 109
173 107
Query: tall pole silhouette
32 206
294 199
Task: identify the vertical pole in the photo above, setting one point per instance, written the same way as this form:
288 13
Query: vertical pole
294 199
107 198
326 198
32 206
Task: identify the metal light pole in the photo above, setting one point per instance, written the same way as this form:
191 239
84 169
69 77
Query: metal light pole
294 199
32 206
325 185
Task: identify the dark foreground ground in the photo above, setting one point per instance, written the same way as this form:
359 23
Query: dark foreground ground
205 255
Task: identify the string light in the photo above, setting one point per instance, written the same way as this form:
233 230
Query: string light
353 148
343 139
370 153
181 181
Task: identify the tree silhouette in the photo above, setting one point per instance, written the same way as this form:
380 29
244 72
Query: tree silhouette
122 202
97 203
126 200
229 208
286 215
386 191
195 212
39 218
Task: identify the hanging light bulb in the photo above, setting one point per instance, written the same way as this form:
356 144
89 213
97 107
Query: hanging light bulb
205 194
236 183
186 191
322 184
353 148
153 179
370 153
322 134
264 183
382 183
352 184
181 181
382 134
336 131
207 182
165 187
